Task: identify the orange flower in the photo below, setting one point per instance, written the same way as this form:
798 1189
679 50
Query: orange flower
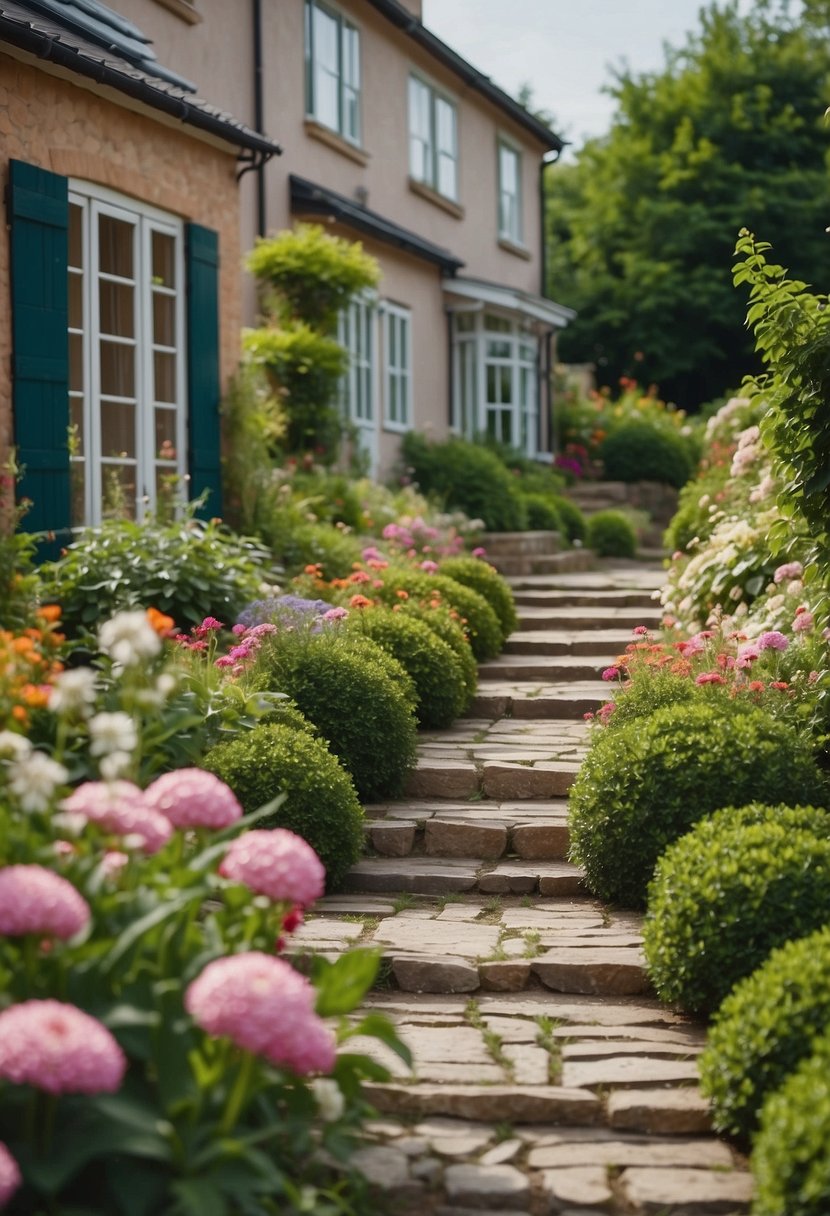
50 612
401 594
360 601
160 622
35 695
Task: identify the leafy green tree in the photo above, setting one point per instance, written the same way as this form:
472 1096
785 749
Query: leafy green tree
642 226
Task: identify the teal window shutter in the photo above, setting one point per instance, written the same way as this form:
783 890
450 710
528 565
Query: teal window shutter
39 217
204 464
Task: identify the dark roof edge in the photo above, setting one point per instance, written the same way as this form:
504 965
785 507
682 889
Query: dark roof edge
410 25
307 198
44 47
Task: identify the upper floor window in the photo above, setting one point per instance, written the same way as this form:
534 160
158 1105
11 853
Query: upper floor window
433 139
332 53
510 193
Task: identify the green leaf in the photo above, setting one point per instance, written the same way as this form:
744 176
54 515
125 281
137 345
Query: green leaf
342 985
379 1027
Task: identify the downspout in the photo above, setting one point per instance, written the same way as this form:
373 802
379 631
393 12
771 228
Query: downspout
259 117
550 158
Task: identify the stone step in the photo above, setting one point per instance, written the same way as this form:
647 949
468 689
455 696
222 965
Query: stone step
544 564
610 642
482 829
429 875
509 544
543 668
599 599
501 780
607 574
582 618
529 699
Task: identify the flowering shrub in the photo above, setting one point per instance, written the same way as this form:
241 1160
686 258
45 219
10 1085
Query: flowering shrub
486 580
29 662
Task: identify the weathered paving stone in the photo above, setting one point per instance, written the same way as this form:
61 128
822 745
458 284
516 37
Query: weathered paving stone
512 880
427 1169
428 876
560 878
593 970
580 1184
445 1043
505 975
392 839
500 1103
502 1154
685 1192
414 974
540 841
530 1064
677 1111
444 838
487 1186
693 1154
442 779
598 1048
383 1166
521 781
627 1070
442 937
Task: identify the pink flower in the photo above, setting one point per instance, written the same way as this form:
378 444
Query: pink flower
237 630
747 655
113 862
710 677
242 652
640 631
119 807
10 1178
787 571
611 673
58 1048
223 661
803 622
772 640
335 614
429 566
479 552
605 711
193 798
371 554
276 863
36 900
263 1005
208 625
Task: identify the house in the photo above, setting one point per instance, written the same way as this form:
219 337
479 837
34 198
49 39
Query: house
388 136
120 279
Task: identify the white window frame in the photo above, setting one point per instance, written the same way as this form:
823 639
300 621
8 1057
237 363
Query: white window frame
426 146
397 372
358 388
471 414
349 84
510 219
94 201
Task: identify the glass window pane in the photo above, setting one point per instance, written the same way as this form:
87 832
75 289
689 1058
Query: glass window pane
506 385
351 57
465 322
164 319
117 369
326 98
76 363
403 351
118 430
76 421
164 368
165 434
447 183
496 324
498 350
506 428
77 478
492 384
325 40
117 310
115 247
75 236
445 126
119 491
76 301
163 272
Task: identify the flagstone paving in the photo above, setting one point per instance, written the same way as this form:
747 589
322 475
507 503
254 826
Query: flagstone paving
546 1078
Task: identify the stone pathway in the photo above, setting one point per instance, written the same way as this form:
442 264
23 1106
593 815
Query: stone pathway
546 1078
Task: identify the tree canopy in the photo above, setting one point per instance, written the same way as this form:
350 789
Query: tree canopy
642 227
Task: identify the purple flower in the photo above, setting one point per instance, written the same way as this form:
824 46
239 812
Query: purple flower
772 640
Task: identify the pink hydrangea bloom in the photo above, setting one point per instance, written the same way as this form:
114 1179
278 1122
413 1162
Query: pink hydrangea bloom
276 863
611 673
263 1005
747 655
787 571
803 622
772 640
479 552
36 900
429 566
10 1178
119 807
192 798
58 1048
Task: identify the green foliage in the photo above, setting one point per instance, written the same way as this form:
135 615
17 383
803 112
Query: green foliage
188 570
765 1028
333 549
476 615
332 497
611 534
487 581
791 1161
359 697
466 476
792 331
642 786
729 892
541 512
433 666
643 697
254 425
305 368
444 625
729 132
320 801
313 274
636 451
571 518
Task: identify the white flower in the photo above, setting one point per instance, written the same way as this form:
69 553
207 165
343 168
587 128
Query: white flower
73 691
129 638
33 780
329 1098
13 746
114 765
112 733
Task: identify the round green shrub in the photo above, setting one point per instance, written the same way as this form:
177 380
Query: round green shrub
433 666
572 519
444 625
658 690
729 892
359 697
646 783
466 477
486 580
320 805
542 515
611 534
764 1029
482 624
791 1157
636 451
309 544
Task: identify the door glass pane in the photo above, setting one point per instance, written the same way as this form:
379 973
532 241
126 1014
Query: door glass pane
119 491
117 369
76 363
115 247
164 259
117 315
76 301
76 421
165 434
117 429
76 245
165 376
77 480
164 319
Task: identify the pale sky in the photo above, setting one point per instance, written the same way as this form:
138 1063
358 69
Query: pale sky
563 48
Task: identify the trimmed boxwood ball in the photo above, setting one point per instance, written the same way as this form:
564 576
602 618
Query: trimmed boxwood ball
361 700
542 515
482 624
486 580
764 1029
448 629
611 534
433 666
573 520
645 696
643 785
725 895
638 451
791 1157
320 805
